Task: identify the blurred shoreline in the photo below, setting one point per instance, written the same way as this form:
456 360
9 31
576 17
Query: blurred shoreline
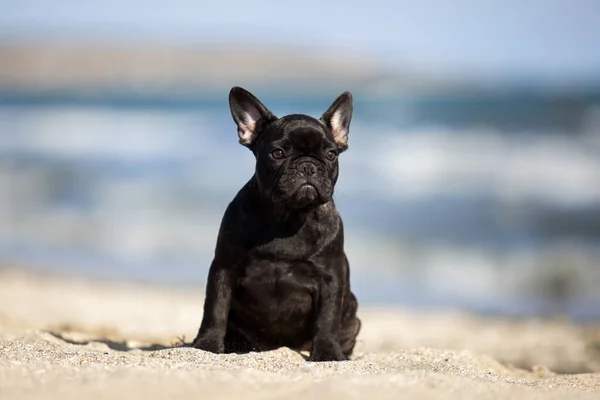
146 69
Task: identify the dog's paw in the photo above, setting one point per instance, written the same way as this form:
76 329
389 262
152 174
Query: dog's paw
326 350
209 343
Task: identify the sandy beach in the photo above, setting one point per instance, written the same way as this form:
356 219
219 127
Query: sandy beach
69 338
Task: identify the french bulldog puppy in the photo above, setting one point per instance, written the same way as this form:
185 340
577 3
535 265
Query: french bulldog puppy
280 276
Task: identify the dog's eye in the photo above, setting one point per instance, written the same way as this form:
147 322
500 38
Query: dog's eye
331 155
277 154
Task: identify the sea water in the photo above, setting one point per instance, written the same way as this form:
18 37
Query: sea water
485 203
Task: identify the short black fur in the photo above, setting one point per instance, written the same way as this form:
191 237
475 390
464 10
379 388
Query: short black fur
280 276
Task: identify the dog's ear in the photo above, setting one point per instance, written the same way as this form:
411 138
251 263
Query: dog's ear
250 115
338 117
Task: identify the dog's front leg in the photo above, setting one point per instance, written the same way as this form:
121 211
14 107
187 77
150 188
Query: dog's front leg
326 345
211 335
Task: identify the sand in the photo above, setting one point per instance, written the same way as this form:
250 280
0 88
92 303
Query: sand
63 338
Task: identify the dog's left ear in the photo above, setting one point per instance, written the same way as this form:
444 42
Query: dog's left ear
338 117
250 115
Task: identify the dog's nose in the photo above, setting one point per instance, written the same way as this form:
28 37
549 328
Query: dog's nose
308 168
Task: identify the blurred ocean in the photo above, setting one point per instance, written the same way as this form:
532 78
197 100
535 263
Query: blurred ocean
489 203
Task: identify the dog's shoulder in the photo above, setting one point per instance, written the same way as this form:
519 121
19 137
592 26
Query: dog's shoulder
238 216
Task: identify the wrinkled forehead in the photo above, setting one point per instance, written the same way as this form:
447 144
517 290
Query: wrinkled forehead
303 132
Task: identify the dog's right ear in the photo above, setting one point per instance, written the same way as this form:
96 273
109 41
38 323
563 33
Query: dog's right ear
250 115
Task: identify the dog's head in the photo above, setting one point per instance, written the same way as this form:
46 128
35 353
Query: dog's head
296 155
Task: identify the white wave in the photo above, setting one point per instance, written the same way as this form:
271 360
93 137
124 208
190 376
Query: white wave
85 132
415 163
427 162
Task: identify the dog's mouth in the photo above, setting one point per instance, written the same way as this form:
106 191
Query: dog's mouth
296 191
306 195
307 185
307 192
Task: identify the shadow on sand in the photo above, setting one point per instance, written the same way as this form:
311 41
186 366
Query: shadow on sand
117 345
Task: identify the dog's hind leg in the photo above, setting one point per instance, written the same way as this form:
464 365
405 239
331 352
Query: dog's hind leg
350 326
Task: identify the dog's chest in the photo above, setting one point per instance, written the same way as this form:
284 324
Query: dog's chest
275 289
289 242
286 260
275 276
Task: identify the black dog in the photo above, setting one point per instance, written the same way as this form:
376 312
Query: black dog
280 276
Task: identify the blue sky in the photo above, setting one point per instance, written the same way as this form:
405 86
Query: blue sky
526 39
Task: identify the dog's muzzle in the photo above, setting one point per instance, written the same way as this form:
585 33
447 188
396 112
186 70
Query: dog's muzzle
306 186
